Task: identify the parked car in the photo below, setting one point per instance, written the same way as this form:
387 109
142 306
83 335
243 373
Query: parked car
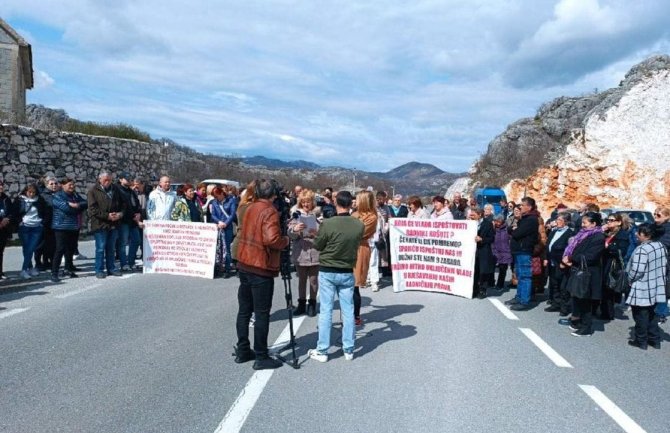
221 182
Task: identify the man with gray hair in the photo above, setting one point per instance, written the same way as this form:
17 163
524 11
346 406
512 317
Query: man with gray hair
161 201
105 209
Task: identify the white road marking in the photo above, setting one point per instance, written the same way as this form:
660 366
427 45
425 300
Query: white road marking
506 311
78 291
13 312
545 348
611 409
240 410
126 276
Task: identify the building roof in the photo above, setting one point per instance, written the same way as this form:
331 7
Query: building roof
25 52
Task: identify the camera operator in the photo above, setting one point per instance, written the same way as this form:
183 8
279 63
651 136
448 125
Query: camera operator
259 249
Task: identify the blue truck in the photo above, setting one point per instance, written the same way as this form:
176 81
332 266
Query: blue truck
490 195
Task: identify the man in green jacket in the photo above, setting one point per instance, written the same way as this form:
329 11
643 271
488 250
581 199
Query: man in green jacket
337 241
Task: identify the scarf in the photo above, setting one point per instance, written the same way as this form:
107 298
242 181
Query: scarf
579 238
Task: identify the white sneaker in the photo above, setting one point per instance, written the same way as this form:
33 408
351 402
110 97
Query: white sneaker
348 356
318 356
375 288
34 272
25 275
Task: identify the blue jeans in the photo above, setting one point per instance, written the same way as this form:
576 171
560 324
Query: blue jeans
524 276
105 242
331 283
228 235
129 234
661 309
30 239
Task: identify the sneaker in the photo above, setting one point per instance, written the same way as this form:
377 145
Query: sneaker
55 279
512 301
100 275
116 273
348 356
581 333
25 275
573 327
80 257
34 272
321 357
520 307
125 268
374 287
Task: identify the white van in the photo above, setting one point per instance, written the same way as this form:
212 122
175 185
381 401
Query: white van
220 182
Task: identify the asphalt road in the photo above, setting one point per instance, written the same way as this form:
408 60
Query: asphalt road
152 353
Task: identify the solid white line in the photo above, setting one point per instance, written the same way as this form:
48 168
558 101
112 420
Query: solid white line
611 409
285 335
545 348
506 312
13 312
240 410
78 291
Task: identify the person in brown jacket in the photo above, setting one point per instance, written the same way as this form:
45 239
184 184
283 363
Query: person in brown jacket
367 214
258 261
105 210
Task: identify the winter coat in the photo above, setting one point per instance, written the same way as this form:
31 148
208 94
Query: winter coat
618 245
7 210
402 212
647 273
419 214
23 205
501 248
261 240
66 217
101 204
591 249
555 250
665 239
132 205
48 197
303 252
484 254
525 235
369 221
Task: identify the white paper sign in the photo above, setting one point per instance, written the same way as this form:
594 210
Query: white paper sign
180 248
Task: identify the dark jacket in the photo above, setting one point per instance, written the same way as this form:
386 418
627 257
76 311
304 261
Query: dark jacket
66 217
484 255
131 203
48 197
501 249
591 249
555 254
101 204
8 211
401 213
261 240
21 208
525 236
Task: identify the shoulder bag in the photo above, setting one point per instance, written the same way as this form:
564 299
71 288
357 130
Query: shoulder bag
579 281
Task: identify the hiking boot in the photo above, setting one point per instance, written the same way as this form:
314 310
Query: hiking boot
300 309
311 308
266 364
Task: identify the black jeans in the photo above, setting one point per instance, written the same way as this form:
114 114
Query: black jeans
646 325
45 252
583 308
4 234
254 296
357 302
66 243
502 274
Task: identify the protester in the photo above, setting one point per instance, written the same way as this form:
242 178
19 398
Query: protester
557 241
397 209
161 201
440 211
662 220
129 233
143 198
105 210
416 209
384 253
327 207
484 260
647 271
180 211
616 230
219 217
501 250
31 209
193 204
489 212
524 234
47 246
338 241
6 216
457 209
377 242
586 246
303 254
259 251
247 197
67 209
367 214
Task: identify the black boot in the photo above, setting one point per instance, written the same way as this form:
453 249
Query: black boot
300 309
311 308
242 356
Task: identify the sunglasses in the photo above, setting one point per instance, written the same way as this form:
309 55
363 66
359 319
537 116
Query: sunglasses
611 220
658 215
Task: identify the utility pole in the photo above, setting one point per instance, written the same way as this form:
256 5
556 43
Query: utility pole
393 189
354 191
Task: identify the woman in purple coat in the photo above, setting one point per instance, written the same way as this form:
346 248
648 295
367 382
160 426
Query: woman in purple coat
501 250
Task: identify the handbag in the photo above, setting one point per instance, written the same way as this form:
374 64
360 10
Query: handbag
536 266
617 278
579 281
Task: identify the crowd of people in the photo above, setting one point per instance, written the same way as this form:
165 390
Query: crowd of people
587 268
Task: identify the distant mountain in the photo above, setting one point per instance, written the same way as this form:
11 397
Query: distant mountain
278 163
411 170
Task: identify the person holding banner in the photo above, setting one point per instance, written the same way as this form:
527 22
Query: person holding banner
161 201
485 262
416 209
367 214
440 211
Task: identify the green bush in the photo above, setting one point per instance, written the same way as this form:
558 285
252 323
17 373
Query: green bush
118 130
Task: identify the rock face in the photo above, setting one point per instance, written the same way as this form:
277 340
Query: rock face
610 148
619 158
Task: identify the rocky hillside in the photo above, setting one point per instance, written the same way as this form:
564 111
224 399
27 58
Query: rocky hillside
610 147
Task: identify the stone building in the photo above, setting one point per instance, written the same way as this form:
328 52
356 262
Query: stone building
16 74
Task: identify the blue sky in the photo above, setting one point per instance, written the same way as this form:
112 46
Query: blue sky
368 84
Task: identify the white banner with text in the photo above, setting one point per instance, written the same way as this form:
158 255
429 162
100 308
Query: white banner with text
180 248
432 255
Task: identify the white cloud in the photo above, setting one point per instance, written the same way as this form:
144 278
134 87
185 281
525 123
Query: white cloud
42 80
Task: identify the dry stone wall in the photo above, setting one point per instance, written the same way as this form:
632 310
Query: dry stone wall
27 154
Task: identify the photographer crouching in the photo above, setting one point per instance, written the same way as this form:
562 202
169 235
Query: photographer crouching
259 248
